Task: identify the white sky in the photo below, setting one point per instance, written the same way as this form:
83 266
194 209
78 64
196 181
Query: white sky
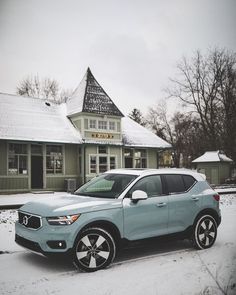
131 46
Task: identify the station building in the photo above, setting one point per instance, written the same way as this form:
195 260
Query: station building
44 146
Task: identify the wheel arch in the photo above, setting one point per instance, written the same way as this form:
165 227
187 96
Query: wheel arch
208 211
110 227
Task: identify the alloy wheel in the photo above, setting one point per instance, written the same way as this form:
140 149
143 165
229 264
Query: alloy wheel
95 250
205 232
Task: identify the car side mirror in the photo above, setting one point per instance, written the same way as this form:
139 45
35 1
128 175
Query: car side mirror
139 195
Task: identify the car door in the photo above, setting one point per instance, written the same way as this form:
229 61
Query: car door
183 206
146 218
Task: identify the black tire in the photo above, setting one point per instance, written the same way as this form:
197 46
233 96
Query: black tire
94 249
205 232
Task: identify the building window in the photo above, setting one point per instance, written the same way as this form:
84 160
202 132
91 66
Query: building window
140 159
93 164
102 125
128 158
17 159
54 159
112 163
135 158
100 164
92 124
102 149
112 126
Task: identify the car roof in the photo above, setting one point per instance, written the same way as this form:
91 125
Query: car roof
146 172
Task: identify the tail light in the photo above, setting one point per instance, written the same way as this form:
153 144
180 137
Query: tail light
216 197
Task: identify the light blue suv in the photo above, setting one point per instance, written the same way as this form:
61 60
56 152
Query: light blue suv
121 205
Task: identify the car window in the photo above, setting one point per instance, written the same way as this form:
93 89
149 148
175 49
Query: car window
188 181
106 185
175 183
152 185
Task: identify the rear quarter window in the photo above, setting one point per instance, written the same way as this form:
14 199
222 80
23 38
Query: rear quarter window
177 183
189 181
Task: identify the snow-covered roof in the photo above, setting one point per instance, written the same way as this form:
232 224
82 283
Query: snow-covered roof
89 97
32 119
212 156
136 135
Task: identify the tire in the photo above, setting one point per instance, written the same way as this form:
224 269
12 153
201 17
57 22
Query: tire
205 232
94 249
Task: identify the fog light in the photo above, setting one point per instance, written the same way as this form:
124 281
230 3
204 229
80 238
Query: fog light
57 244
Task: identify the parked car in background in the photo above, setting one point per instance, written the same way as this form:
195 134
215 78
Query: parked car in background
121 205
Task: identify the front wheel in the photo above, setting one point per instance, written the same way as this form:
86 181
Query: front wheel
205 232
94 249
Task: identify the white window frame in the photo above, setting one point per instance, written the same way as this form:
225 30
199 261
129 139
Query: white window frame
63 160
18 156
108 156
114 125
107 150
92 124
102 125
141 158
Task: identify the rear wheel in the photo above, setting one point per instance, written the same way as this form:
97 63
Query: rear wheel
94 249
205 232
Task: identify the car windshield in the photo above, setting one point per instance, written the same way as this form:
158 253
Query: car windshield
106 185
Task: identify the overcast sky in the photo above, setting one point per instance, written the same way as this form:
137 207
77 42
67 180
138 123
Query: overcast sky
132 47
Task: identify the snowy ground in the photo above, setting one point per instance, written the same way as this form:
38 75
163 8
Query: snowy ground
151 268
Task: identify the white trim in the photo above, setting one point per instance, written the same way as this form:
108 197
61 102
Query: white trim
108 156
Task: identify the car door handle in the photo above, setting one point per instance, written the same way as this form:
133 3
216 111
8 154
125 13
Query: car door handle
161 204
195 199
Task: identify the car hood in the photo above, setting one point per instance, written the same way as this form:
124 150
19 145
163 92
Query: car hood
69 204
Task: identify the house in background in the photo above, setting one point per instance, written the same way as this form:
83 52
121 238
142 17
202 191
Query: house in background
42 144
215 165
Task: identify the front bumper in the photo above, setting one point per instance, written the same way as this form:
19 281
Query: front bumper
48 238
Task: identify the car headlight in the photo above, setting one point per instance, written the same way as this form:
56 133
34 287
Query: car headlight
63 220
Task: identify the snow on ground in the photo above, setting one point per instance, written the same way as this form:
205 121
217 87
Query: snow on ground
167 267
16 199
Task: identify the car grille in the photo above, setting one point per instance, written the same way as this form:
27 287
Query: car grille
28 244
29 221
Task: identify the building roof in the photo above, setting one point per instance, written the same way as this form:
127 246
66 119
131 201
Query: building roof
89 97
33 119
134 134
212 156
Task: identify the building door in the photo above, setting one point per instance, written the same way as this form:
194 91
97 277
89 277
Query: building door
214 175
36 167
36 172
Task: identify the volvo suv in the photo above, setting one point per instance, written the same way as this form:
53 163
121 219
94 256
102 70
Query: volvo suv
120 205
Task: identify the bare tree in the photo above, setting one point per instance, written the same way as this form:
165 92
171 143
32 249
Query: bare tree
45 88
181 130
208 85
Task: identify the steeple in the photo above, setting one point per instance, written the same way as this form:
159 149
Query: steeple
89 97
